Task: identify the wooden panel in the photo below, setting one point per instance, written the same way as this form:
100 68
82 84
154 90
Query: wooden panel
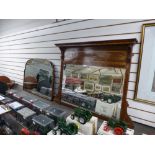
135 58
28 56
141 114
97 55
130 94
54 34
132 77
53 50
136 48
142 121
131 86
75 25
134 68
42 40
42 28
24 60
141 106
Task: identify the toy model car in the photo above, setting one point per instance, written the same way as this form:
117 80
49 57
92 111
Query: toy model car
64 128
25 131
110 98
118 126
82 114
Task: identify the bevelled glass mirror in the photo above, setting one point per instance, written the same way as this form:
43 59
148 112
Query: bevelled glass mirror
39 78
95 76
98 89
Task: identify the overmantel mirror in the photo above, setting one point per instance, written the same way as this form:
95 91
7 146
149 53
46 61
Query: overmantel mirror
39 78
95 75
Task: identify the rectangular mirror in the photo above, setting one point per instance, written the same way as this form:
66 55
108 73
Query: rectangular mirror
95 76
98 89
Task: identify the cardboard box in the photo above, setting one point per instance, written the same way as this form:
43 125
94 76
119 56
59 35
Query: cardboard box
109 110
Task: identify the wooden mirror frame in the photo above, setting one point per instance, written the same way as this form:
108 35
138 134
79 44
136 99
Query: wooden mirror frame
52 84
113 53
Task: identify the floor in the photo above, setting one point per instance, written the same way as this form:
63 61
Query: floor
143 129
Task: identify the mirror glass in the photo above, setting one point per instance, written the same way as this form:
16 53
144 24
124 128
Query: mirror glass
38 77
98 89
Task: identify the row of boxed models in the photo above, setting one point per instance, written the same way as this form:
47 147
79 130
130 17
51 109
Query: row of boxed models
109 105
39 117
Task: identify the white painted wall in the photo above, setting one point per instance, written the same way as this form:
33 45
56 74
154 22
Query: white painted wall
38 42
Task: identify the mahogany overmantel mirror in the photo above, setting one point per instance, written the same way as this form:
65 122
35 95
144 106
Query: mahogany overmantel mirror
39 78
95 75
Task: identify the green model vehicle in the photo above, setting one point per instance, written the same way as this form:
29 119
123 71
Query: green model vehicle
65 129
82 115
119 126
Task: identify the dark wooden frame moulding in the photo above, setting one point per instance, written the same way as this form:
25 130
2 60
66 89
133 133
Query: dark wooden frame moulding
112 53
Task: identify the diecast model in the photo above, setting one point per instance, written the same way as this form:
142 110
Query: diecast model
110 98
118 126
82 115
64 128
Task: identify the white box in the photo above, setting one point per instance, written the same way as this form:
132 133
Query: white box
90 128
102 132
109 110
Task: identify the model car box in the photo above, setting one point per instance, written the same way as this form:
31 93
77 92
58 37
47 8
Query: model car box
25 116
43 124
39 106
2 97
88 102
79 100
14 94
28 100
15 105
54 113
6 100
106 109
103 130
4 109
90 128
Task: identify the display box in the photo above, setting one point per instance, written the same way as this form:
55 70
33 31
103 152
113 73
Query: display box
4 109
102 130
79 100
25 115
54 113
107 109
90 128
43 124
39 106
15 105
2 97
29 100
6 100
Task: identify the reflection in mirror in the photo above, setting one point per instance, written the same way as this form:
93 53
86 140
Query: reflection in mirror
38 77
98 89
